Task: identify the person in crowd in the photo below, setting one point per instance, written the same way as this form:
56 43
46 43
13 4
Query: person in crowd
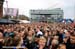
66 37
38 35
41 43
8 33
56 37
61 34
54 44
1 40
71 42
61 46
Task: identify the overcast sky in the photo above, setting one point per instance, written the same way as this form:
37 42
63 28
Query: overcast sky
25 5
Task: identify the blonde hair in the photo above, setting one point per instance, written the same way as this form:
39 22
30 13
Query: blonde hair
61 45
55 41
42 39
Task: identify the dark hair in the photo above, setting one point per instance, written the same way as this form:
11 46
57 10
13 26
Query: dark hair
72 34
8 41
16 40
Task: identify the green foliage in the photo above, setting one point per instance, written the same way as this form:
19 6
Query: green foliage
23 17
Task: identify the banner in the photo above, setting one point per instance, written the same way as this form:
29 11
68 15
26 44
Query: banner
11 11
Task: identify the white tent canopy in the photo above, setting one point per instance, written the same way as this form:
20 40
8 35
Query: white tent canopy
24 21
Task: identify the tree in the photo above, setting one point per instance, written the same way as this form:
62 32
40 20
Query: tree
23 17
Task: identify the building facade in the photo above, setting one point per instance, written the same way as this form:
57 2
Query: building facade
1 8
46 15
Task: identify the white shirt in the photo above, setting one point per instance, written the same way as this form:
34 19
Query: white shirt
39 33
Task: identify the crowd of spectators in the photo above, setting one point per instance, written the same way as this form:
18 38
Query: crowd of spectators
37 36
